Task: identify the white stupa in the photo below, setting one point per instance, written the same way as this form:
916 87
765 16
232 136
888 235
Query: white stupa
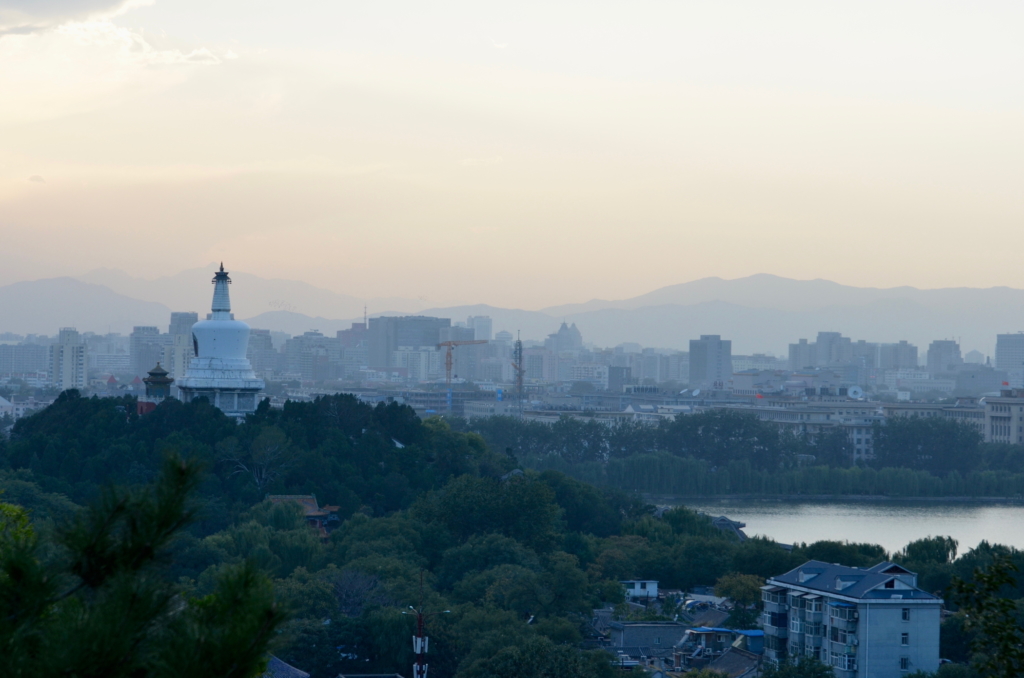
220 371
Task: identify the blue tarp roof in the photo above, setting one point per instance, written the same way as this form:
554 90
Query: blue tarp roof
715 629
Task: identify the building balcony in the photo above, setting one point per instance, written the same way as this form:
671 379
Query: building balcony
777 631
812 641
812 617
843 624
780 608
848 648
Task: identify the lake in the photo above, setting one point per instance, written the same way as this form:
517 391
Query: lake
892 524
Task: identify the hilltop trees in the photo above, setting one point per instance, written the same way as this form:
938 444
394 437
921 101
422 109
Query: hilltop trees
89 598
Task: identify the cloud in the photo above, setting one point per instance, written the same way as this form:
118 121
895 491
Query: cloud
82 66
21 17
35 178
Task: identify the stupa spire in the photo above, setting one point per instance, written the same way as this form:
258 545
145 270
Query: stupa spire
221 298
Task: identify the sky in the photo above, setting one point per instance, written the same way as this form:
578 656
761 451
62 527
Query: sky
520 154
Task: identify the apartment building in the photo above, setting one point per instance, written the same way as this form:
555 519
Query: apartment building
68 364
865 623
813 418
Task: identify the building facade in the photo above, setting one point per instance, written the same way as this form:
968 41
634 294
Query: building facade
68 367
710 361
865 623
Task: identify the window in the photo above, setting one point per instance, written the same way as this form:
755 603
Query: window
657 641
904 663
643 586
906 614
904 639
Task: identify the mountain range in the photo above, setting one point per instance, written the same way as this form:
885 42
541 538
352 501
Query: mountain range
760 313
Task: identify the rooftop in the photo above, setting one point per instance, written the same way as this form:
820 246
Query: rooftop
885 580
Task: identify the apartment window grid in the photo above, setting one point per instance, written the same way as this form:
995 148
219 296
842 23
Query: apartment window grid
904 663
905 639
906 614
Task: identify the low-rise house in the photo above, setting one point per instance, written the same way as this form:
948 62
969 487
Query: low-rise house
641 589
865 623
279 669
703 645
737 663
654 634
323 519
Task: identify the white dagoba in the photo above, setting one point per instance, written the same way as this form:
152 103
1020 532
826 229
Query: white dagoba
220 371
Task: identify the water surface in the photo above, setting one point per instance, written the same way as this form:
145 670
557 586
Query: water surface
891 524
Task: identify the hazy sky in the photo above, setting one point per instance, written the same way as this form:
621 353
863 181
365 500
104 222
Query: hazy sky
515 153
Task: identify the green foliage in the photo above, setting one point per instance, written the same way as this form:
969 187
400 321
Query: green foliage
431 517
938 550
540 658
103 608
800 667
845 553
706 673
938 445
727 452
999 644
744 589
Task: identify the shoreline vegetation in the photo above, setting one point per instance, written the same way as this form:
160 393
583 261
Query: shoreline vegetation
664 474
729 454
673 499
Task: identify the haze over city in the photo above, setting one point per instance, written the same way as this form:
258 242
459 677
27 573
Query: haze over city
522 156
663 338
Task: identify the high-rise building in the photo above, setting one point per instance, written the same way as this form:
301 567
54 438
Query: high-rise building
802 355
899 356
1010 357
178 354
387 334
68 362
23 359
182 322
975 357
943 356
832 348
481 325
146 348
261 352
710 361
567 338
220 371
1010 351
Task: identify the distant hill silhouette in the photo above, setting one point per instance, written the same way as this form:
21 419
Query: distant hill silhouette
44 306
759 313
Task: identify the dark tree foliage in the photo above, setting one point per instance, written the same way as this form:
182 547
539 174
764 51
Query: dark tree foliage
343 451
999 644
101 607
801 667
938 445
436 515
722 436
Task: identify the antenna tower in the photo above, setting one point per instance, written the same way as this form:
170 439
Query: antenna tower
520 369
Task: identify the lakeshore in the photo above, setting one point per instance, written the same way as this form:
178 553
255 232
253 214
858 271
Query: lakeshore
888 521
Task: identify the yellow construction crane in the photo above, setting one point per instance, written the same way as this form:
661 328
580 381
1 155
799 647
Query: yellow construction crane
448 357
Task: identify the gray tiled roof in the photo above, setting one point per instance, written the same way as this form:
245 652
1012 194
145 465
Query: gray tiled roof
278 669
736 662
852 582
